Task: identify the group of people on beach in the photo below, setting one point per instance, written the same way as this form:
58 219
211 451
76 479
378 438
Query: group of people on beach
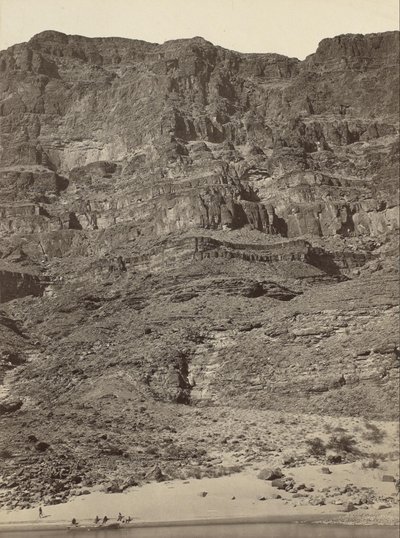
123 519
127 519
97 519
120 519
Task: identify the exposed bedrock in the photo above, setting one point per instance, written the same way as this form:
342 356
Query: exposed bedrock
15 284
231 140
151 195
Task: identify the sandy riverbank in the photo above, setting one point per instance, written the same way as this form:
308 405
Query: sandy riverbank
235 497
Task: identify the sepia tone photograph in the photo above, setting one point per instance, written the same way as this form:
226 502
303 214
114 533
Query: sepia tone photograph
199 288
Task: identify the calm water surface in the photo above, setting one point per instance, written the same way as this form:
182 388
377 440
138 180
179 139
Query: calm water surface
245 530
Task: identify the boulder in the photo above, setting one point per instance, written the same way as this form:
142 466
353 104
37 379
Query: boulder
381 506
362 499
42 446
56 500
388 478
326 470
129 482
279 483
334 459
347 507
288 460
112 450
112 487
317 500
270 474
10 406
156 474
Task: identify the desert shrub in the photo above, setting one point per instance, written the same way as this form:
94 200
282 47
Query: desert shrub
342 443
373 433
316 446
289 459
370 464
196 473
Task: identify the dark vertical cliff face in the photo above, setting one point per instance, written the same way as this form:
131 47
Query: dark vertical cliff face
16 284
191 224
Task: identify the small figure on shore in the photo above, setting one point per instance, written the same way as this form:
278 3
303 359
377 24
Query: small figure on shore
40 512
96 520
74 522
120 516
105 519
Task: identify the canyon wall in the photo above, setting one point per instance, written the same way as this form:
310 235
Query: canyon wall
124 163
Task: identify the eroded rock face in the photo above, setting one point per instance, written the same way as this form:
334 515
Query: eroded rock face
187 134
15 284
141 157
184 224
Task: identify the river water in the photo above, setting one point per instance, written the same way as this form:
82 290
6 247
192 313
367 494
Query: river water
241 530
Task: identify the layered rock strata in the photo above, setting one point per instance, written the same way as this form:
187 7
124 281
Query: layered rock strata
184 224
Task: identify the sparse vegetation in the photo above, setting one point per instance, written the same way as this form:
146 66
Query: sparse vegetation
370 464
316 446
373 433
342 443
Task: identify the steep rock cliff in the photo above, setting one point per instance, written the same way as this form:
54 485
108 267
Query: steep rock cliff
184 223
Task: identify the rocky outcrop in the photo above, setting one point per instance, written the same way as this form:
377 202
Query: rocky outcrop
231 139
314 366
16 284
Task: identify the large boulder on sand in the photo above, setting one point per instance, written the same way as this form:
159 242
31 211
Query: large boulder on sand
347 507
270 474
279 483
